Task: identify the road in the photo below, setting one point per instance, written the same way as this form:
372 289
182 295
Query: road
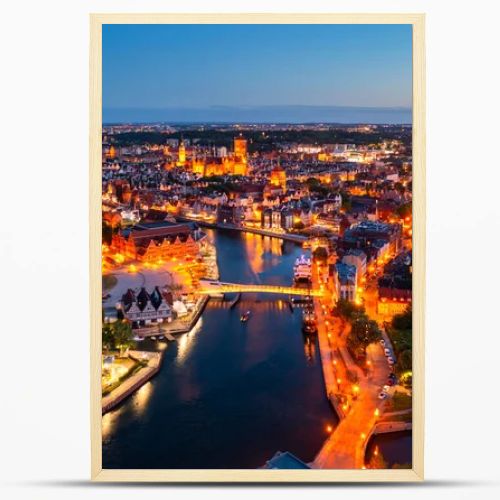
345 448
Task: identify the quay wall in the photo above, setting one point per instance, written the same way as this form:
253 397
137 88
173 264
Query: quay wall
130 385
296 238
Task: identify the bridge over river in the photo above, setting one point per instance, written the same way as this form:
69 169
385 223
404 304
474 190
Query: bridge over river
208 287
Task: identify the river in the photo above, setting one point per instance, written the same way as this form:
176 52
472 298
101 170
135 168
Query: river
229 394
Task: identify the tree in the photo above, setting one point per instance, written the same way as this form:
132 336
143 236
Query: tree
403 321
320 253
348 310
123 336
117 335
107 233
108 339
404 363
364 331
404 210
313 183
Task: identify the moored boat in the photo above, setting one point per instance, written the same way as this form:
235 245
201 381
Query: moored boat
302 270
309 321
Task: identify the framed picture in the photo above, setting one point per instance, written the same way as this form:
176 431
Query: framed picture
257 247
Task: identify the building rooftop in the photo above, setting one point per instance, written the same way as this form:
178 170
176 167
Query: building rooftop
346 273
285 460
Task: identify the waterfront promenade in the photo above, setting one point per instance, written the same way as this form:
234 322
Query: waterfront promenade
135 381
353 394
345 449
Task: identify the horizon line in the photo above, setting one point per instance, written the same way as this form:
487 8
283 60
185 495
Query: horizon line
298 113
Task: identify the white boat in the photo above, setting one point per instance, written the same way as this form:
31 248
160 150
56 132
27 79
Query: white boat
302 269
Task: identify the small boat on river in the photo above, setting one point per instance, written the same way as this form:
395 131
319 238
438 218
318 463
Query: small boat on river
244 317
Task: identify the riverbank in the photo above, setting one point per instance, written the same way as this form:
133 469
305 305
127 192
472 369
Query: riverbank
178 327
214 381
134 382
295 238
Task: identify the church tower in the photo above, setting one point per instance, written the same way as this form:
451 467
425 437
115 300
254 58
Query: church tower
181 160
240 148
278 177
240 156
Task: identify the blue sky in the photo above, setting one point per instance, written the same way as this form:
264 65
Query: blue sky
198 67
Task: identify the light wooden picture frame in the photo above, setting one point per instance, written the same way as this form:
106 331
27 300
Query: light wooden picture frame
416 473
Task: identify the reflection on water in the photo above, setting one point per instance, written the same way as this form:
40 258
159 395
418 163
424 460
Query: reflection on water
107 422
230 394
141 398
395 448
186 341
310 349
261 251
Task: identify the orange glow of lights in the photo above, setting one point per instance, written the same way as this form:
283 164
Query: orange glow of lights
119 258
132 268
339 381
355 389
377 412
329 428
363 435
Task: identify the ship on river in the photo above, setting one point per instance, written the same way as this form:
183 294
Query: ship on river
309 321
302 270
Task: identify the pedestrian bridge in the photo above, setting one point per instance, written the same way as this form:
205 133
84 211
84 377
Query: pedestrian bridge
209 287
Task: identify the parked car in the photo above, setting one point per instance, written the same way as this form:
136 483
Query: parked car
390 382
382 342
390 360
387 352
386 388
382 395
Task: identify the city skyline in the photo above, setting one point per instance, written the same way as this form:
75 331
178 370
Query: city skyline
267 73
257 247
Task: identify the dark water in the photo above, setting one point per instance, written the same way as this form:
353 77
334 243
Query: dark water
396 448
229 394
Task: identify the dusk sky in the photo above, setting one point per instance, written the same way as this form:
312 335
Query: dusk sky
257 72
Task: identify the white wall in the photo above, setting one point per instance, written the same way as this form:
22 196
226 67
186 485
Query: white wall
44 450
